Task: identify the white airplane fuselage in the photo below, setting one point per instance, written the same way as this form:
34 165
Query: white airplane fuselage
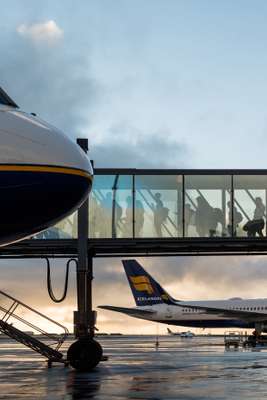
194 317
44 176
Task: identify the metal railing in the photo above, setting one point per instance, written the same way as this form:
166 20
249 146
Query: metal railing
10 317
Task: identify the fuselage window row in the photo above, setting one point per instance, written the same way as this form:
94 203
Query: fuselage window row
189 310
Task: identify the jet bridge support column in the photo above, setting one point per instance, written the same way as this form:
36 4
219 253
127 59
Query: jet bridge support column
85 353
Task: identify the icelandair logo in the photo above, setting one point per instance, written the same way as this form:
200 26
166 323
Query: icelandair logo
142 284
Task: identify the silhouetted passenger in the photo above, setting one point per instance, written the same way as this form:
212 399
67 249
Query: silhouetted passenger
139 217
257 224
106 216
112 213
160 214
216 218
204 217
188 217
95 218
128 219
259 211
116 218
237 218
107 201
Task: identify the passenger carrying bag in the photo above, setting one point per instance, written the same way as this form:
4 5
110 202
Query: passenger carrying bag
238 217
254 226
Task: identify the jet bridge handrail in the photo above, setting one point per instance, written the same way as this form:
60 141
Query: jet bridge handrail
59 339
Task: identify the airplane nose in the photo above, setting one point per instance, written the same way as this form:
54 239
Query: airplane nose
44 176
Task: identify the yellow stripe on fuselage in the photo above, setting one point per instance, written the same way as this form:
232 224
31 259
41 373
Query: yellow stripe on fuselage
45 168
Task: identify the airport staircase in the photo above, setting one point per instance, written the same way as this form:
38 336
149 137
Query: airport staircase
9 317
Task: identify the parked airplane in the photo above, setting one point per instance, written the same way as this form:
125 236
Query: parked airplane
44 176
187 334
155 304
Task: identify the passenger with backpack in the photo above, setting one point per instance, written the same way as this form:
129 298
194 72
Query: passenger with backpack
237 218
257 224
161 213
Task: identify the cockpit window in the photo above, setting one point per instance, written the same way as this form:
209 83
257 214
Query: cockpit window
6 100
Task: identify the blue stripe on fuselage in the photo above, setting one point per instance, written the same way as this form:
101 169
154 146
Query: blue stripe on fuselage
227 323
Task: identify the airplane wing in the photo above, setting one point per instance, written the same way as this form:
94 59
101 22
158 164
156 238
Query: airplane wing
224 312
128 311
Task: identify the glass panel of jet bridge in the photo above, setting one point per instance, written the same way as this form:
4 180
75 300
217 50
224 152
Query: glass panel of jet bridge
111 207
158 206
207 204
64 229
249 212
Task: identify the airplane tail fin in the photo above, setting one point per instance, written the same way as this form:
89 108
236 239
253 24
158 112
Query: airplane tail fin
145 289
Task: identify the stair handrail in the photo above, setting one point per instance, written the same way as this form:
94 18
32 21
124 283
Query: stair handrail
59 339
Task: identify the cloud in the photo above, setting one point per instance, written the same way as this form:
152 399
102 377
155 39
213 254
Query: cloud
41 32
210 277
53 81
57 83
129 147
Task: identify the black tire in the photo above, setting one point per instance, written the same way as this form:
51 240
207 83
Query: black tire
85 354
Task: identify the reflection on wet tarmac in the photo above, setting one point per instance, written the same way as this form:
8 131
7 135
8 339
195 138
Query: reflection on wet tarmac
180 369
82 386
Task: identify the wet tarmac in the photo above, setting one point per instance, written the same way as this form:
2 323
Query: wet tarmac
198 368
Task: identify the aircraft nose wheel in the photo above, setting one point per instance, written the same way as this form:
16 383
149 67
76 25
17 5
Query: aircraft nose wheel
85 354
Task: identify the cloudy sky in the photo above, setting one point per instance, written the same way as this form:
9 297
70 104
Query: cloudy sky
183 81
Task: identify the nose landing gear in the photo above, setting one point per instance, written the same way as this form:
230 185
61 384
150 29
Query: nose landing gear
86 352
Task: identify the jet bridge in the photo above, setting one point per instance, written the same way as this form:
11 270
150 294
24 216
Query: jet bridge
183 212
141 212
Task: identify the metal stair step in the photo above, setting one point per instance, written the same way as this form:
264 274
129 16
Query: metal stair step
30 341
